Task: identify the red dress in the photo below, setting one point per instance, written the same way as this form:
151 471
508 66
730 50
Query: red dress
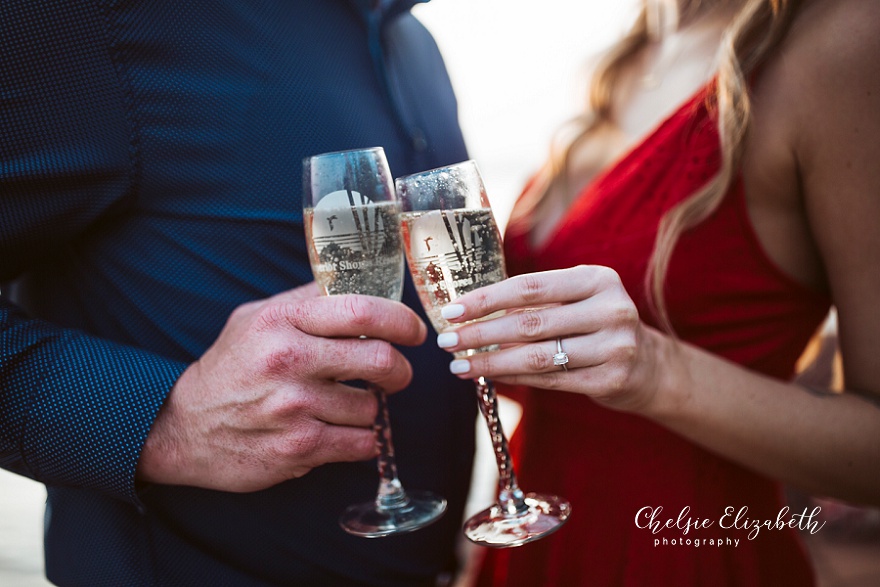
724 295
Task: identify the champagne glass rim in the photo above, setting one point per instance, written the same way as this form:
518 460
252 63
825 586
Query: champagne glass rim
461 164
344 152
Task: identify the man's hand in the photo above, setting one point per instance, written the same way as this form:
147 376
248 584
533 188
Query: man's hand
265 404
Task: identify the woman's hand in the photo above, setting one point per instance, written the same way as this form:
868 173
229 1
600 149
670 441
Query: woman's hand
611 353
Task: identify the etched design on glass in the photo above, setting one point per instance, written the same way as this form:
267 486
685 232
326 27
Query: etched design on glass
354 245
452 252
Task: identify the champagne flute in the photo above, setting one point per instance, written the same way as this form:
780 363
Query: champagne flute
452 247
350 215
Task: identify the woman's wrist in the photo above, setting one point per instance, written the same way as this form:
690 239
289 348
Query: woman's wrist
663 380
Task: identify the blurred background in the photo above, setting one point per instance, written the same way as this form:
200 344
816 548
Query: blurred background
520 69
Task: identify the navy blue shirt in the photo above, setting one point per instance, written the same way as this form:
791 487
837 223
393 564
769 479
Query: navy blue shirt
150 163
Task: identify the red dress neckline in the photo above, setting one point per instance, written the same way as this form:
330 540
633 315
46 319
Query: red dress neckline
626 157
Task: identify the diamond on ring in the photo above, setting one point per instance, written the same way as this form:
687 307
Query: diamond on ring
560 359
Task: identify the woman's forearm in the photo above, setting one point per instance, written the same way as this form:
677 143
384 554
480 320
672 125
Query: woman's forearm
821 441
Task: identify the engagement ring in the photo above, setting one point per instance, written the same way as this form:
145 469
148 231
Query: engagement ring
560 359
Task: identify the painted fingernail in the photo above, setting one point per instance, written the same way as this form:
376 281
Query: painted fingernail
459 366
447 339
452 311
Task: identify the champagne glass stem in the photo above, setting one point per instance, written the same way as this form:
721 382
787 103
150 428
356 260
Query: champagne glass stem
350 216
391 493
510 496
453 247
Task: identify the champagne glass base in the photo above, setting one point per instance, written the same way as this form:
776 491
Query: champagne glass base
498 529
370 520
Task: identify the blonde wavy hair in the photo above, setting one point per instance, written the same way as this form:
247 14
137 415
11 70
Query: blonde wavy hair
756 29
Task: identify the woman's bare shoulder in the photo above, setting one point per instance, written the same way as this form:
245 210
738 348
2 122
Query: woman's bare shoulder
834 44
824 74
832 60
823 81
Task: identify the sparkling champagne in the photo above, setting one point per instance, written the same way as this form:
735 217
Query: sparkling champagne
450 253
356 248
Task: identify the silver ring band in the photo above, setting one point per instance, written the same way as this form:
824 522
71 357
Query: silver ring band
560 359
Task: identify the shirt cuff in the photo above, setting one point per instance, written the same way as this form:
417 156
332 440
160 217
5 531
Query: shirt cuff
89 419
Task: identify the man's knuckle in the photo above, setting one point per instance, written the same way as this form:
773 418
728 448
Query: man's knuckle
266 318
280 360
272 315
383 358
290 405
244 310
364 445
359 310
299 471
369 407
305 443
